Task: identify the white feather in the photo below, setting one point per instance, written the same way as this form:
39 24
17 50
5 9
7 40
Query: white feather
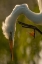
10 21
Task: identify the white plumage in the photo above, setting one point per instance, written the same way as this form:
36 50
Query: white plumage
10 21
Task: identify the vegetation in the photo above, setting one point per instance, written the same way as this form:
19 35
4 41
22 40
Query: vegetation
25 45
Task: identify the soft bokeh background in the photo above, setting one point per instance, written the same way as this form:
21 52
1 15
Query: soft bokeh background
27 49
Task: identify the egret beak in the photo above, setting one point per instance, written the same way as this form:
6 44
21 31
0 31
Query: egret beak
11 45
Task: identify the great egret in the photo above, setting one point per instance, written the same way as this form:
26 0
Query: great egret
9 26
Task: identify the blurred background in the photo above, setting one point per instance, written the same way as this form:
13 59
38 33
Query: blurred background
27 49
6 6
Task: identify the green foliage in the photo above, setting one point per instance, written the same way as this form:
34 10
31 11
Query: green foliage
25 45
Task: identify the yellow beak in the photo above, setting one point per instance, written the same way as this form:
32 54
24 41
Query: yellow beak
11 49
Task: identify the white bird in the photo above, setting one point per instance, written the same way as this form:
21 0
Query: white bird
9 26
